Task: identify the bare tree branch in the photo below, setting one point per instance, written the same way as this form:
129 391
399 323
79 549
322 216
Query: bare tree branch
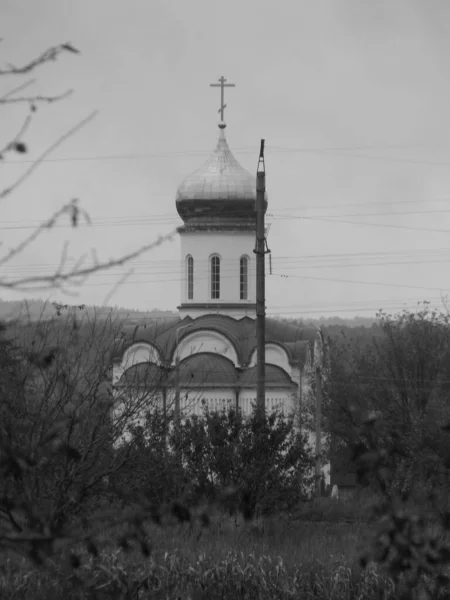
33 99
47 56
116 287
18 89
10 146
37 232
50 149
57 279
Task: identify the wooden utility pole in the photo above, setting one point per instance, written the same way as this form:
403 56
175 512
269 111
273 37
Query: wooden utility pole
318 430
260 252
177 391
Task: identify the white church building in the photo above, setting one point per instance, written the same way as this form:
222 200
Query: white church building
207 353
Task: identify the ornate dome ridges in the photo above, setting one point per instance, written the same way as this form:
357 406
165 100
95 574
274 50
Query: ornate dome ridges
220 192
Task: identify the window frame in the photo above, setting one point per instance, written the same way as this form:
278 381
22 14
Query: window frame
243 277
190 277
214 262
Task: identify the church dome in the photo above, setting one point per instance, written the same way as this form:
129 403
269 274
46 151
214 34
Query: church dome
220 192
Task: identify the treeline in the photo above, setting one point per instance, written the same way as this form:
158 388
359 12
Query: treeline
38 310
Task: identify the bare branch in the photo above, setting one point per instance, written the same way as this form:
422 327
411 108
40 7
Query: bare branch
34 99
5 192
40 282
23 129
36 233
18 89
116 287
47 56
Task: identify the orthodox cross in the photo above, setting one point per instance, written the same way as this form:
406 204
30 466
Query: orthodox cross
222 85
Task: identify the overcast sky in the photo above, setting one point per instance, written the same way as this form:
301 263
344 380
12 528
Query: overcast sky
352 98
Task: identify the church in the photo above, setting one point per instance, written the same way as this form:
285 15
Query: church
206 355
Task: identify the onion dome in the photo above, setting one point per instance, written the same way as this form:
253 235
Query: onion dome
220 193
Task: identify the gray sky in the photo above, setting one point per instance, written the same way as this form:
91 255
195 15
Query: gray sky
352 98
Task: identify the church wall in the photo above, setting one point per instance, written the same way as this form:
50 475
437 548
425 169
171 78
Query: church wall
229 246
191 401
275 398
135 405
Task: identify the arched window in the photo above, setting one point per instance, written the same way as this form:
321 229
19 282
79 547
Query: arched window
215 277
190 277
243 277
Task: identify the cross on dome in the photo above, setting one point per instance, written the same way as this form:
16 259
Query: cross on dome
223 106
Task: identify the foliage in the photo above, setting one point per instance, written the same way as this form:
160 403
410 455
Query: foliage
288 560
269 464
387 412
399 377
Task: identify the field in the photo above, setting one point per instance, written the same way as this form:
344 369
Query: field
278 558
311 554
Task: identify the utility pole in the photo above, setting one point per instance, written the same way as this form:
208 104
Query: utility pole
318 430
177 399
260 252
177 377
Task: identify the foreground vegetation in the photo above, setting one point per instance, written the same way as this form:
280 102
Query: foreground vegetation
94 505
282 560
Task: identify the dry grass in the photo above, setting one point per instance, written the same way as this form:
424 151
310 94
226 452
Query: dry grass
282 560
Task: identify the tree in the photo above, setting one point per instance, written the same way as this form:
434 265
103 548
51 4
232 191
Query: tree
390 391
268 465
57 435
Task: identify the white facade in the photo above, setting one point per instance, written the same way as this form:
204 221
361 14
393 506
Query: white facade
216 204
230 247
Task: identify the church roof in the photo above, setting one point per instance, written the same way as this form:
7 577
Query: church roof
221 177
241 333
203 369
144 374
275 377
206 369
220 194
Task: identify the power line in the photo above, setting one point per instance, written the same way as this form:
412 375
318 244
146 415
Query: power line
359 282
339 151
434 230
370 255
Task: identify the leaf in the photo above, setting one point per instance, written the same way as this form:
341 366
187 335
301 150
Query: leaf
20 147
70 48
181 512
74 214
61 447
75 561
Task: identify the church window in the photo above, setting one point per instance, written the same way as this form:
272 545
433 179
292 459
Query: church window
243 277
215 277
190 277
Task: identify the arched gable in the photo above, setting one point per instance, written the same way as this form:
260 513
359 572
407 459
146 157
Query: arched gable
275 355
140 352
206 341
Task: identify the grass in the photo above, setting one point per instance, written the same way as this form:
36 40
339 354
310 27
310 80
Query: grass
278 558
281 560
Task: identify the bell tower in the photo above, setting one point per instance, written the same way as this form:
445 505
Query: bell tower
217 205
